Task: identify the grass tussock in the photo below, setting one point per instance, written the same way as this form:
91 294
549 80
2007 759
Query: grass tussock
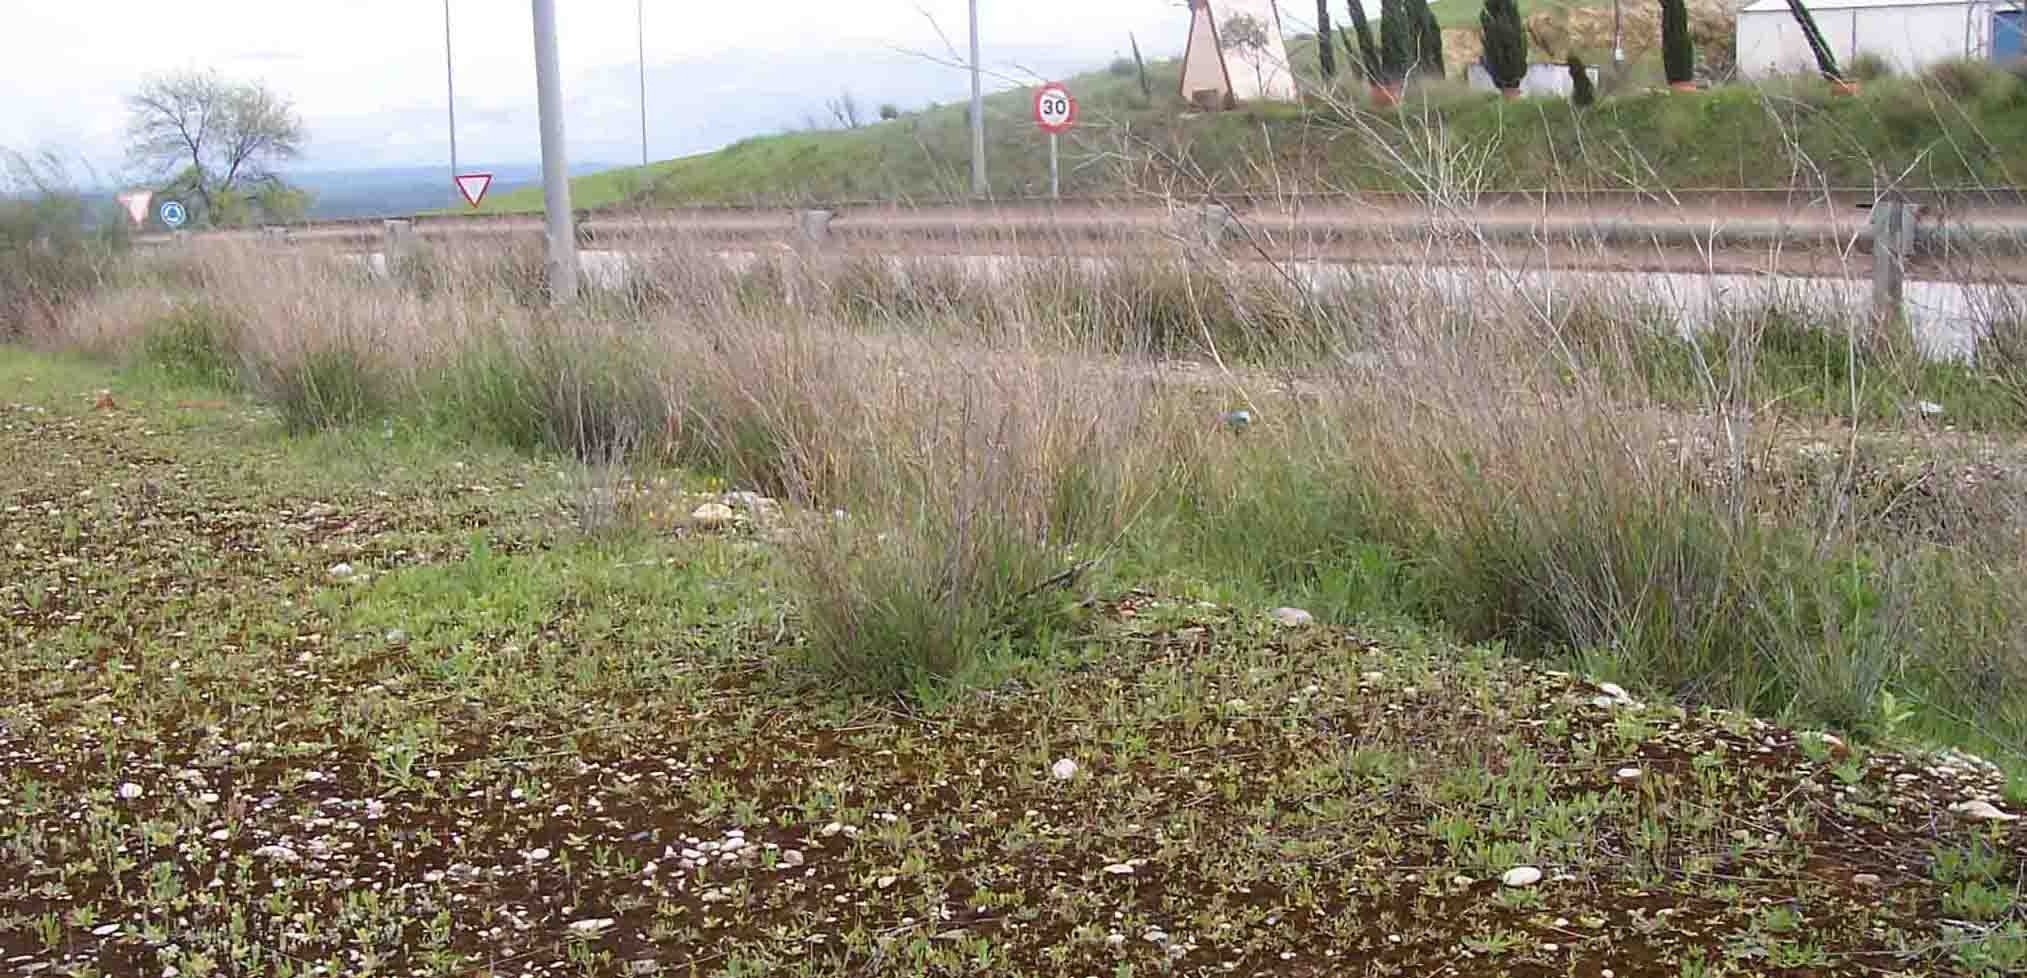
1689 509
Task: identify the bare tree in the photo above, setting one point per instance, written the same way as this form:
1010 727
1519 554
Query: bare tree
845 109
1246 36
220 134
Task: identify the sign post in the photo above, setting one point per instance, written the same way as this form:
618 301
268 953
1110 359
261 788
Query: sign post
1055 111
173 214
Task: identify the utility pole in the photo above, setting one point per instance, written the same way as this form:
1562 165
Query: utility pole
555 169
641 34
977 114
1618 48
450 85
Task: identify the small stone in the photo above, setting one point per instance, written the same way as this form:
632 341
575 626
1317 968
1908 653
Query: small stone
791 858
536 855
1982 811
279 853
885 882
1615 691
341 571
716 894
1155 935
396 636
1865 879
591 926
1460 880
1115 939
209 797
1119 869
1064 769
1521 876
1372 677
1292 617
130 791
831 829
1930 408
105 930
713 514
1629 774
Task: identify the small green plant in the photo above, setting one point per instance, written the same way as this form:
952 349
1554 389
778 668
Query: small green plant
1582 93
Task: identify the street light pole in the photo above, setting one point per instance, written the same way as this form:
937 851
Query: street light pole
555 169
450 86
977 114
641 35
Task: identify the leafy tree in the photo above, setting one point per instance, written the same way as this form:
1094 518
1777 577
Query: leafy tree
1505 42
1326 50
222 134
1678 52
1582 93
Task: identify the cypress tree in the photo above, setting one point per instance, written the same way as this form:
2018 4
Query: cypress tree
1398 32
1505 42
1826 59
1429 38
1369 55
1678 52
1326 52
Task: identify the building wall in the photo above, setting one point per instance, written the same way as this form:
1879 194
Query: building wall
1542 78
1200 67
1909 38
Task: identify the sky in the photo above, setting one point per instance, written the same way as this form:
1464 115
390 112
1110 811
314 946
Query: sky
367 76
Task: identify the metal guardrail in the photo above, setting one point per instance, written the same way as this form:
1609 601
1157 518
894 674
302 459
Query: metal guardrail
1949 200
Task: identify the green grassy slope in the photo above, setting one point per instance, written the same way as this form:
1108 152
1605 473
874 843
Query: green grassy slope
1960 127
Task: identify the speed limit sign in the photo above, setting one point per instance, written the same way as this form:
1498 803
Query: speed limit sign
1055 110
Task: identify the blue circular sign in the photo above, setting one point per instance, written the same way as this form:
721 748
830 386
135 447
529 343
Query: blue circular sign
173 214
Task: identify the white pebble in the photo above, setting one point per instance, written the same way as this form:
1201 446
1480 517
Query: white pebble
1064 770
1521 876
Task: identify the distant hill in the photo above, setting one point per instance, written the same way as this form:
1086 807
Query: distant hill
1150 144
405 190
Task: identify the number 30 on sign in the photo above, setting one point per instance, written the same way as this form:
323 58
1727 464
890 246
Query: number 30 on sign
1055 110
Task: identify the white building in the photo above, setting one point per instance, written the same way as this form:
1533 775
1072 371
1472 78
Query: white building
1909 34
1542 78
1235 48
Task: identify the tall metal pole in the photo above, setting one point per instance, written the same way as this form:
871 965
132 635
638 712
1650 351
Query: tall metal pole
450 86
555 169
977 113
641 34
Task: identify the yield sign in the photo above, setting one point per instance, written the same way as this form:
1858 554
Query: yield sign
136 203
473 186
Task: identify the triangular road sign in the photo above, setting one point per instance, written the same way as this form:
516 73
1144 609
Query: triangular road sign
473 186
136 203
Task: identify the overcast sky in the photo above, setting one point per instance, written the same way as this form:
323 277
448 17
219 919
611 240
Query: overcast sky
368 75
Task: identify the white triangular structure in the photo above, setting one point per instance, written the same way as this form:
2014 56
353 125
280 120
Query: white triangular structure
136 203
473 186
1218 62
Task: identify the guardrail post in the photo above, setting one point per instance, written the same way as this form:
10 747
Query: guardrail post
813 227
1892 241
1214 224
397 246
